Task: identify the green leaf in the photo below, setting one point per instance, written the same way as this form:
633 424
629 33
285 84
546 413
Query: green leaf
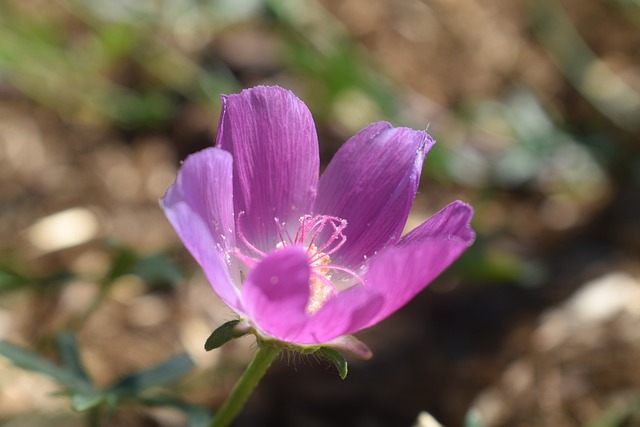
10 279
83 402
619 414
31 361
68 350
122 263
159 375
336 358
154 269
157 269
223 335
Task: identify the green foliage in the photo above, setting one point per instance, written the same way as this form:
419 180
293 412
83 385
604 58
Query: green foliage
154 269
160 375
619 415
329 60
70 357
40 57
11 279
481 263
614 98
31 361
72 377
14 278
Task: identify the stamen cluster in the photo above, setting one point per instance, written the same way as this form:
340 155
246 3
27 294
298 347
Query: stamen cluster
312 229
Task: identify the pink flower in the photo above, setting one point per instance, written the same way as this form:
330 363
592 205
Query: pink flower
304 260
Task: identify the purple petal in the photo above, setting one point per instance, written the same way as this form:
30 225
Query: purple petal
276 292
345 313
199 207
400 272
352 345
452 221
371 182
273 140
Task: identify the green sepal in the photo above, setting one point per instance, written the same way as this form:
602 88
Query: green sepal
223 335
335 357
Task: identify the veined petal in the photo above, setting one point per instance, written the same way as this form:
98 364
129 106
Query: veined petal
400 272
276 292
394 276
452 221
199 206
274 144
347 312
371 182
353 345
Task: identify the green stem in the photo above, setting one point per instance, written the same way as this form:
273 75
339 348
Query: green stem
93 417
249 380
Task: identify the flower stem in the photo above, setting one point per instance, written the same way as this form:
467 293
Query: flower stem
249 380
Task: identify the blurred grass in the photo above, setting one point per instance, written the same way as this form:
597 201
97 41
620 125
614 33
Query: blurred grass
79 59
68 59
606 91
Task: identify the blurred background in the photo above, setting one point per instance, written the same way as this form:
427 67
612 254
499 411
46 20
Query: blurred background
536 109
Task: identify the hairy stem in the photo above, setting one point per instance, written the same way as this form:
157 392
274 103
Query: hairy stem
242 390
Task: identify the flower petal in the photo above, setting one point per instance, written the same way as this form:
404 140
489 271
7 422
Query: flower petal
274 144
347 312
276 292
400 272
371 182
352 345
452 221
199 207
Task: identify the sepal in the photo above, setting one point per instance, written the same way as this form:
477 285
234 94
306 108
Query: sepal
225 333
335 357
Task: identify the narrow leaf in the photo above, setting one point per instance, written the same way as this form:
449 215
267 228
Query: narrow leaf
336 358
157 269
68 350
10 279
223 335
31 361
82 402
165 373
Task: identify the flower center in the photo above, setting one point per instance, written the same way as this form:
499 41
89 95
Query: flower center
321 236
